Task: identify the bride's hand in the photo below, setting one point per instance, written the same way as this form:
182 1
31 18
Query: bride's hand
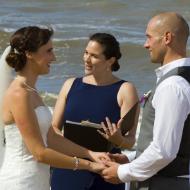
98 156
97 167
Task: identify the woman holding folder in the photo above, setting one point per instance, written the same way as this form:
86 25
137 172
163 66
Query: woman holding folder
97 96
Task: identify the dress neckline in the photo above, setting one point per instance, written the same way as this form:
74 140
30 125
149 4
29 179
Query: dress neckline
41 106
35 109
120 80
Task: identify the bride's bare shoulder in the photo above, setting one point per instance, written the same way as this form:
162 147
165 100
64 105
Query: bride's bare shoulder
16 89
15 94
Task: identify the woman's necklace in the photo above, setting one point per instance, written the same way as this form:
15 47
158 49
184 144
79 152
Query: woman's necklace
28 87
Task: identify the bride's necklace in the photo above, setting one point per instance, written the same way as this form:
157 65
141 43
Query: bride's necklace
28 86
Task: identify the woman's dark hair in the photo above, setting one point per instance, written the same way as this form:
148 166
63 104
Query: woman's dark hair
29 39
110 45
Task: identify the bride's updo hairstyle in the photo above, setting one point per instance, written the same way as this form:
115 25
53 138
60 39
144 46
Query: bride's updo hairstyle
111 47
26 39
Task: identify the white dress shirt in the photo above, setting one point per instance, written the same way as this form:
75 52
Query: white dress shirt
171 102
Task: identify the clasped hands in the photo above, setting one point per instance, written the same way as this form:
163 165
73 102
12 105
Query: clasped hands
107 166
110 162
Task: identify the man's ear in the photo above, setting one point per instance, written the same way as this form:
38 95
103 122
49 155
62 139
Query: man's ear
168 37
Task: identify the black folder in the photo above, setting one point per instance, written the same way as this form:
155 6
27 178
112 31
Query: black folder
128 120
86 136
85 133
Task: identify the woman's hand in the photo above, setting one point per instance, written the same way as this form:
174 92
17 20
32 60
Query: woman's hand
97 167
112 132
99 157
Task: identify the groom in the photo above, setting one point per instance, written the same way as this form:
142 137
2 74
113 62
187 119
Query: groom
163 148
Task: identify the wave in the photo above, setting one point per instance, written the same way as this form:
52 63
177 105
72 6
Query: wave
70 39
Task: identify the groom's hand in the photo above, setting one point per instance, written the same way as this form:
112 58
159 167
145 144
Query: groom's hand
110 173
119 158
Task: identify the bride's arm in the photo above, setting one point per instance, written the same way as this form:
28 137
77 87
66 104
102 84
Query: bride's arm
60 143
25 118
64 145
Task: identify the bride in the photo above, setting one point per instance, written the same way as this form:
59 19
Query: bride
30 145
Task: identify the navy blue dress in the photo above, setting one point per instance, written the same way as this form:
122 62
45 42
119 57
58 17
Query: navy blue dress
93 103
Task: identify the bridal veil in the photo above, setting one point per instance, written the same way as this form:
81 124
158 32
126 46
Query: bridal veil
5 79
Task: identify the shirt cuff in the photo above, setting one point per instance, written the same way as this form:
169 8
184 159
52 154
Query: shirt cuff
122 172
131 154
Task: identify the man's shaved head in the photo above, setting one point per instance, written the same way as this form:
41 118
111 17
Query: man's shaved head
167 34
171 22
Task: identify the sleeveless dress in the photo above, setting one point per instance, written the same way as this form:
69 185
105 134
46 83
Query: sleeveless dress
93 103
19 170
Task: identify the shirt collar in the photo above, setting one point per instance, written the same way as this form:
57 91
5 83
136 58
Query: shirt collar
161 71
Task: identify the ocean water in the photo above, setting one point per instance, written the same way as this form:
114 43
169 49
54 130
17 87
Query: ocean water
73 22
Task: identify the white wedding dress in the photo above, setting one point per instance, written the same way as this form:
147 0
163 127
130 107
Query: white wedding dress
19 170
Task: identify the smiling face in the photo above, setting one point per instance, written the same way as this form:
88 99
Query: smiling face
42 59
94 59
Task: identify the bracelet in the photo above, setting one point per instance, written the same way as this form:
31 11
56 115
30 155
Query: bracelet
76 163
